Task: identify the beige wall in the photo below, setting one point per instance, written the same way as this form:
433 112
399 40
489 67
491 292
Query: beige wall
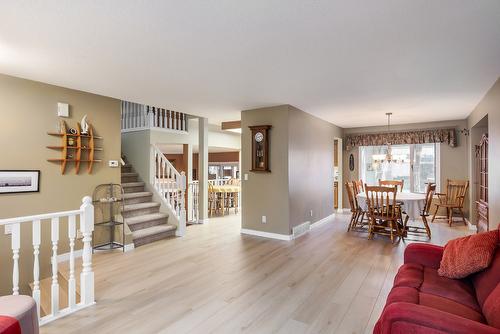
310 170
266 194
490 106
453 160
301 163
28 110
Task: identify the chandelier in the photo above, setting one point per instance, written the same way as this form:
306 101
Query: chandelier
388 157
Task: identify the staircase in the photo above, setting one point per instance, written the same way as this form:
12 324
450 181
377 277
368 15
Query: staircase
141 214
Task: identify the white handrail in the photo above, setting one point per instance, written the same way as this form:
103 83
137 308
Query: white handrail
86 215
170 185
39 217
135 117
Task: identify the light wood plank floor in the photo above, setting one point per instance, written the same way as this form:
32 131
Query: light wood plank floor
215 280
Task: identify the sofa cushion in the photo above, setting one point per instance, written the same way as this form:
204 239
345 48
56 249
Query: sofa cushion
414 296
486 280
426 280
465 256
491 308
9 325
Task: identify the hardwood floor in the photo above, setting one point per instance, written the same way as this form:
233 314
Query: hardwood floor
215 280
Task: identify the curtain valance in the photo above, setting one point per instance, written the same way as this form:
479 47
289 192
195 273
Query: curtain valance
447 136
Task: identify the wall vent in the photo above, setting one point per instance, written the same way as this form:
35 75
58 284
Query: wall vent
301 229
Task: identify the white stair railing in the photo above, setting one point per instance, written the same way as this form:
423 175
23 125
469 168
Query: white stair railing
135 117
194 190
170 185
86 218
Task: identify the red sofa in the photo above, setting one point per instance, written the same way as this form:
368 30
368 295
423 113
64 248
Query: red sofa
421 301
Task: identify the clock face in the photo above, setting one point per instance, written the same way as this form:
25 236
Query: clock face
258 137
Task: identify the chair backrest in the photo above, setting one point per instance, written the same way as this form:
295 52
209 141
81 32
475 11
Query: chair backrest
391 183
358 186
353 203
456 191
382 201
429 194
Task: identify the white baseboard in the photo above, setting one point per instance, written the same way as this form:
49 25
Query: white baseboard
129 247
285 237
322 221
269 235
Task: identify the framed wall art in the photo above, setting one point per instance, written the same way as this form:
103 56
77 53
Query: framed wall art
19 181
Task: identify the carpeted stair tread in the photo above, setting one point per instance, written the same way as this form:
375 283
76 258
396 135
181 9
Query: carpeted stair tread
137 194
132 184
145 218
139 206
146 232
129 174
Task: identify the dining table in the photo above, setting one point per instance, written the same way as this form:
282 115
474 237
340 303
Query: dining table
413 203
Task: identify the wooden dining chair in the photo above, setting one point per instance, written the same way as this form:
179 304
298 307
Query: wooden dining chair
383 211
391 183
453 199
358 186
429 194
353 205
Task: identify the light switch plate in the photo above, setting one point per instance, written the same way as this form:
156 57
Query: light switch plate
264 220
113 163
246 177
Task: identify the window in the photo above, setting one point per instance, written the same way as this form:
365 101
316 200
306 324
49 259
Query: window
417 166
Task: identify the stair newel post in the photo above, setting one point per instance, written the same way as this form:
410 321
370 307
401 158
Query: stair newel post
54 293
87 275
181 229
36 264
15 245
71 281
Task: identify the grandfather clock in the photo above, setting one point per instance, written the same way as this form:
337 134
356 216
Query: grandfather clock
260 148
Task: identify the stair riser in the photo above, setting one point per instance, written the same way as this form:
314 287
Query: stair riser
127 169
136 189
152 238
137 200
147 224
130 178
140 212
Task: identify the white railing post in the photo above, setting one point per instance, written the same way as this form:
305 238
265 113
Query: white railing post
181 229
87 275
54 294
16 245
71 281
36 264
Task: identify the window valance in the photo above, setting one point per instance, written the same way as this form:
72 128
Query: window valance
447 136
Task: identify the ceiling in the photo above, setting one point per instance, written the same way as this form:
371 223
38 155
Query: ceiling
348 62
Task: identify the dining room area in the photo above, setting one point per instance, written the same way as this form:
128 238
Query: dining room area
407 178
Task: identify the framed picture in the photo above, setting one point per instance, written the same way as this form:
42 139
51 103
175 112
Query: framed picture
19 181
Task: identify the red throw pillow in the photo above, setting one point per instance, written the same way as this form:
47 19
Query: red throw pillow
465 256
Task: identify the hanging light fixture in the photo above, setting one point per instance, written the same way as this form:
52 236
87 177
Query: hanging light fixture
381 158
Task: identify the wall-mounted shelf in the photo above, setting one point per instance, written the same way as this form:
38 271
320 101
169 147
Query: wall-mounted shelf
75 148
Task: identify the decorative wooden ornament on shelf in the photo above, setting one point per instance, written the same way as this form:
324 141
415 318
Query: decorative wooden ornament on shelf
76 147
260 148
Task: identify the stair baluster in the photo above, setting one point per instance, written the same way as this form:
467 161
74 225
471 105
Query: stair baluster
36 264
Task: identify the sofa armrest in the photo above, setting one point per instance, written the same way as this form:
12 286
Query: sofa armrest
414 318
424 254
